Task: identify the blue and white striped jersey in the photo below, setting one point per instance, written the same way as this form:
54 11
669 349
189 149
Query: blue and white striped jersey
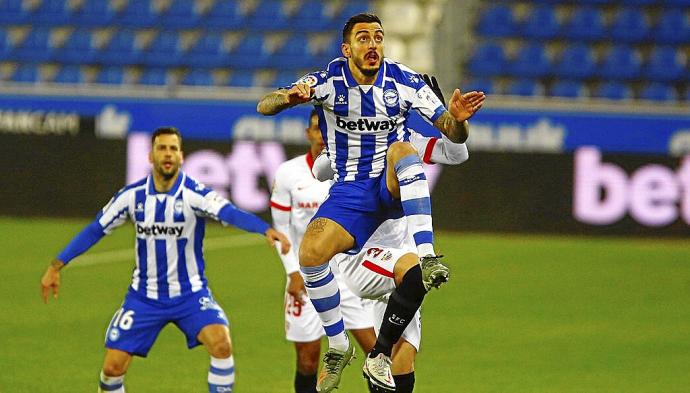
358 123
169 233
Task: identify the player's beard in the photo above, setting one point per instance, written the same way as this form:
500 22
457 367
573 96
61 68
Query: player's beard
368 71
167 174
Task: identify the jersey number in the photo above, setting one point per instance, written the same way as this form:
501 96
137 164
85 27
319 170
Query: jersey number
292 306
123 319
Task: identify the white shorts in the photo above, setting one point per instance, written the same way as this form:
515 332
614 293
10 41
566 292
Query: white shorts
302 323
369 274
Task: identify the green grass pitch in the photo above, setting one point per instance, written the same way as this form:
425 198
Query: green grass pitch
520 314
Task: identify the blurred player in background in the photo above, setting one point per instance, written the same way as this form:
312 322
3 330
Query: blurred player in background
378 269
295 198
362 100
168 209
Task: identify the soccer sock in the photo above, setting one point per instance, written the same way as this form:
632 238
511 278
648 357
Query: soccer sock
112 384
305 383
416 202
402 306
404 383
323 291
221 375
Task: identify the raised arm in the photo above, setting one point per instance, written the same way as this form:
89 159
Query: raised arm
281 99
453 122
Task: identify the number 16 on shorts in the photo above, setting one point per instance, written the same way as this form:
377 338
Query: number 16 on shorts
122 320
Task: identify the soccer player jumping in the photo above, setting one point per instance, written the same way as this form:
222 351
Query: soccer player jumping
168 210
363 100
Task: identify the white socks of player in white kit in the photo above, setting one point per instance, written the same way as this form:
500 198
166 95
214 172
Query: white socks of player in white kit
111 384
324 293
221 375
416 202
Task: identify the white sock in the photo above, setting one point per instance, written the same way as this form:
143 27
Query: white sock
221 375
111 384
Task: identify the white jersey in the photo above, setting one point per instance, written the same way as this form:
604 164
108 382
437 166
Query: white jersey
169 233
358 123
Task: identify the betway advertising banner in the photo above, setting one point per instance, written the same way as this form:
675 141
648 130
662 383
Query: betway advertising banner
497 130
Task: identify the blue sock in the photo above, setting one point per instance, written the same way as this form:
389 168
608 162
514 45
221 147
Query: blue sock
325 296
416 202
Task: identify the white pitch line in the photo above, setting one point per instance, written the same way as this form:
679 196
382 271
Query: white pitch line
210 244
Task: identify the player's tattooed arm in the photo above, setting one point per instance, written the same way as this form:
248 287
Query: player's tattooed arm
456 131
461 107
277 101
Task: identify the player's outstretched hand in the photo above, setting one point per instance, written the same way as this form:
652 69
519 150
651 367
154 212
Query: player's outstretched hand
51 280
299 94
296 287
433 84
274 236
463 106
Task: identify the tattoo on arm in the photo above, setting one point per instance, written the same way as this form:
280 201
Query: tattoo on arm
456 131
273 103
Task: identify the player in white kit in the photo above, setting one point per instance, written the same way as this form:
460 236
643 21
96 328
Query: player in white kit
371 273
295 198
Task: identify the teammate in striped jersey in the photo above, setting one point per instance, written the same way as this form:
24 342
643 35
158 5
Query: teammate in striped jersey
168 210
363 101
295 198
379 268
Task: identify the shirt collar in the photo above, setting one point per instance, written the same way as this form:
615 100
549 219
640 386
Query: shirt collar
350 80
152 190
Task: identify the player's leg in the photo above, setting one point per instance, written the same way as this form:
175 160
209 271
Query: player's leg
405 180
221 374
115 366
402 368
365 337
307 366
402 306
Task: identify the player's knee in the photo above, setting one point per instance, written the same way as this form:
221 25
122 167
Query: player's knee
114 369
310 255
399 150
221 349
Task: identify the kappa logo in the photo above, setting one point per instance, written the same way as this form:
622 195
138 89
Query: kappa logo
139 208
390 97
414 78
340 100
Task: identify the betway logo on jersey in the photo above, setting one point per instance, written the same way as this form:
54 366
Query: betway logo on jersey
364 124
157 230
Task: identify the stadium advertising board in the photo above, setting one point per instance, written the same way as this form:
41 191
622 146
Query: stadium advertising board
509 130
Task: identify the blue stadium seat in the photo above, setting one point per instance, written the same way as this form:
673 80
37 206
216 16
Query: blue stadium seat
13 11
26 73
249 53
138 13
585 24
531 61
111 75
224 14
51 13
497 21
629 25
641 2
659 92
568 88
666 64
576 61
311 16
673 27
620 63
351 7
69 74
35 47
541 23
285 78
94 13
614 91
269 15
5 46
525 87
595 2
154 76
479 84
241 78
207 51
165 50
78 48
488 60
681 3
198 77
294 53
180 15
120 50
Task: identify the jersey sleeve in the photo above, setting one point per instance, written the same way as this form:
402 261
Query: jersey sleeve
315 80
439 150
208 203
281 211
424 100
